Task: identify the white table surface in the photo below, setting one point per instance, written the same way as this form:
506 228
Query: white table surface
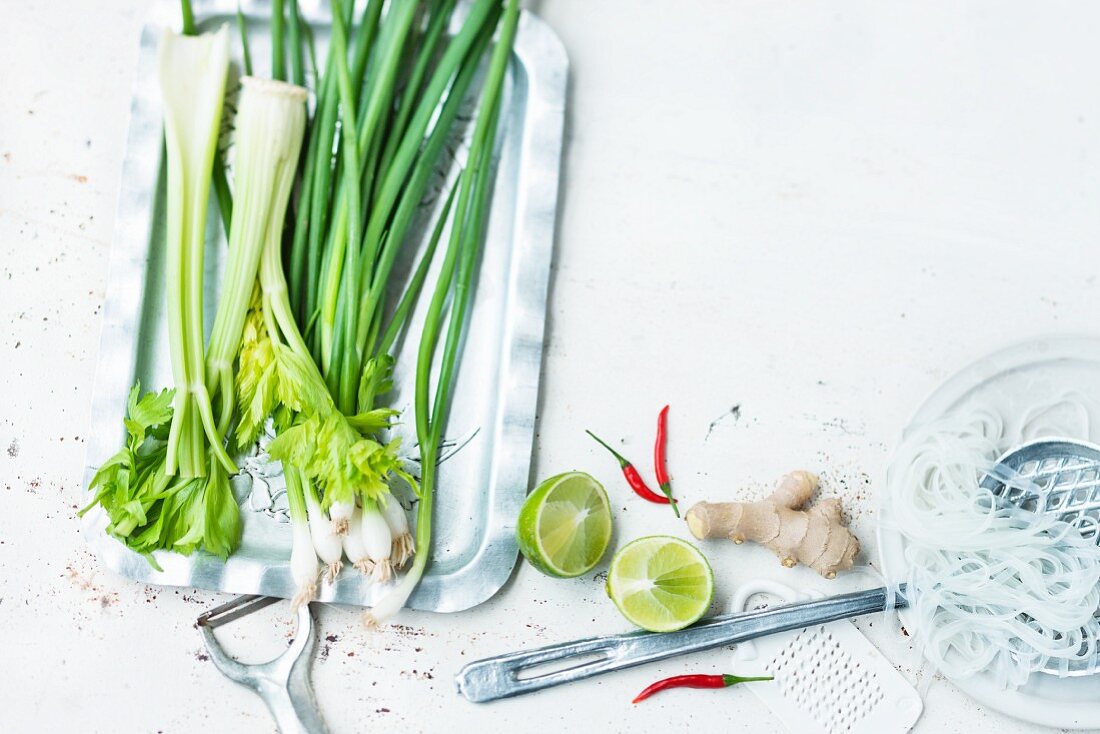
814 210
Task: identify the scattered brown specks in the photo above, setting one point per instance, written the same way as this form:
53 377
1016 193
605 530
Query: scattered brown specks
78 579
79 178
404 630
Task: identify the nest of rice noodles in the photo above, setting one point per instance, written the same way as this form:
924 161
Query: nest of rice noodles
992 587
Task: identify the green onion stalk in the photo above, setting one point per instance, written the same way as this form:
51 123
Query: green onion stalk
354 268
386 107
456 278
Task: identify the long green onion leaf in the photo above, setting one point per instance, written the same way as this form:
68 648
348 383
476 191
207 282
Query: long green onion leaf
465 240
246 54
278 46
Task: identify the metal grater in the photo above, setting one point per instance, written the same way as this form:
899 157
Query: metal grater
829 678
815 672
1061 477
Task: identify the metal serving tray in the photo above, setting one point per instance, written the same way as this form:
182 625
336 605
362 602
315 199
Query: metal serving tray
482 485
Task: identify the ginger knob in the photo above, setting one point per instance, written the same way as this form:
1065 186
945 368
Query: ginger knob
816 537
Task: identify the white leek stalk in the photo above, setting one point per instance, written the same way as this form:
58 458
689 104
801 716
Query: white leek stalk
192 72
378 542
326 542
403 545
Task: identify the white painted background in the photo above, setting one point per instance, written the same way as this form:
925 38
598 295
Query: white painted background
815 210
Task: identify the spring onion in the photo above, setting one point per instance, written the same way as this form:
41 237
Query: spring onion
326 541
456 280
403 545
304 566
377 541
354 548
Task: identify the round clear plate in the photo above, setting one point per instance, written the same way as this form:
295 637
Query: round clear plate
1013 380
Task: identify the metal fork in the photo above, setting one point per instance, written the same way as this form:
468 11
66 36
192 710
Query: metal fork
282 683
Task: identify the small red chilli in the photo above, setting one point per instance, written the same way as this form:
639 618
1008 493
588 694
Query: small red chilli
696 681
660 458
633 478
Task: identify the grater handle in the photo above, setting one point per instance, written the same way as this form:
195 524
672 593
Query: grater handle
514 674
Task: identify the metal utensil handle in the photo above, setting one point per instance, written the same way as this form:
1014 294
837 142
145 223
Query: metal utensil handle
517 673
295 711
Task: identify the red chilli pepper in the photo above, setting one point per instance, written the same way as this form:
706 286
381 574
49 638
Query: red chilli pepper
633 478
660 462
695 681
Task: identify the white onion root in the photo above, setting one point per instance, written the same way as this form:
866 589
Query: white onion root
353 543
303 566
340 512
403 545
326 541
378 542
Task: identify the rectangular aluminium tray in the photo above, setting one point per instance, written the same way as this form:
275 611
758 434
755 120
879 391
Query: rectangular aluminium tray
484 477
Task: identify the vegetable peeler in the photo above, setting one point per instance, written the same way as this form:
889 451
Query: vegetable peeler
282 683
1062 477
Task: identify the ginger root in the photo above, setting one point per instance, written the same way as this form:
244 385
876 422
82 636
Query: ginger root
815 537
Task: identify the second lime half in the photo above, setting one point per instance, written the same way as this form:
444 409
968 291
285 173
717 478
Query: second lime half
660 583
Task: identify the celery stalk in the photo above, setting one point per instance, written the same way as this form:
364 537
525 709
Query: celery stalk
271 121
193 73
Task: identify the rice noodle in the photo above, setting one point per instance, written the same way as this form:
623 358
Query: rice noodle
993 587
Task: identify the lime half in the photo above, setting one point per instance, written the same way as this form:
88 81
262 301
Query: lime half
565 525
660 583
